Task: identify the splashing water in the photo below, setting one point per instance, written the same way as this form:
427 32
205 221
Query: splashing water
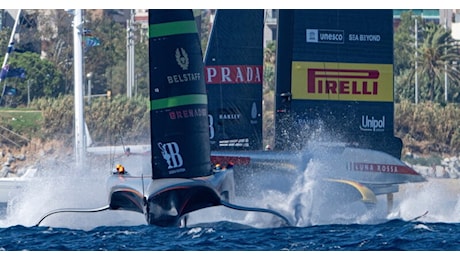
301 197
64 188
306 200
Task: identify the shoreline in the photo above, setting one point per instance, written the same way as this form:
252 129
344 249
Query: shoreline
50 154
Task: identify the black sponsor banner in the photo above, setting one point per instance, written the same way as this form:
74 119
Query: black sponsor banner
234 78
235 124
359 123
355 36
340 74
346 118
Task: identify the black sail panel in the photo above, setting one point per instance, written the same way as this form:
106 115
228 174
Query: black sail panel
178 100
234 79
335 78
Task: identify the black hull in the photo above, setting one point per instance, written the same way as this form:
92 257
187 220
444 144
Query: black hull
167 207
167 201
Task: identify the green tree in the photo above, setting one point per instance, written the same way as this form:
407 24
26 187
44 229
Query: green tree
45 79
5 34
404 56
141 63
437 49
56 36
107 62
269 66
205 27
404 43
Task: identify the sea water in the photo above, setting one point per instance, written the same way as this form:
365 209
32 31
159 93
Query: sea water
425 217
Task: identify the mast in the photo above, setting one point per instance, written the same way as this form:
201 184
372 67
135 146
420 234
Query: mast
416 76
78 90
130 55
10 46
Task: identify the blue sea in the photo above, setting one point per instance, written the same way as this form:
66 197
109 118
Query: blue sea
425 217
394 235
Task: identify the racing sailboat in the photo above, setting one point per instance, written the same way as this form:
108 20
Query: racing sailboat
182 178
334 101
322 87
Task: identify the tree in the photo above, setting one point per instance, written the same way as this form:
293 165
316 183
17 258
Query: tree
107 61
49 34
5 34
54 36
205 26
142 62
404 56
44 77
269 66
404 43
437 49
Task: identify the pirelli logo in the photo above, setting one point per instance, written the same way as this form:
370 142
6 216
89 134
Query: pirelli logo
342 81
333 81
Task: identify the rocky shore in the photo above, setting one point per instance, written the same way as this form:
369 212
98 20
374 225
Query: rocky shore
37 155
49 155
449 168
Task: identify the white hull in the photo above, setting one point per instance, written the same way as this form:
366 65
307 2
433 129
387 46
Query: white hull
363 165
379 171
11 185
8 186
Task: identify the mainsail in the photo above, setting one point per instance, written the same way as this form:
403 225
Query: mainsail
335 78
178 101
234 79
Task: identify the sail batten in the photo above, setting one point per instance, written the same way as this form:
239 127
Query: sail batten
179 101
172 28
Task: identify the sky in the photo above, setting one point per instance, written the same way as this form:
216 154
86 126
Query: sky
219 4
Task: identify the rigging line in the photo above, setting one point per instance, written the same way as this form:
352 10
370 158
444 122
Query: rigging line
121 139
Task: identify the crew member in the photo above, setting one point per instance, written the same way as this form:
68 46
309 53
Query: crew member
119 169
